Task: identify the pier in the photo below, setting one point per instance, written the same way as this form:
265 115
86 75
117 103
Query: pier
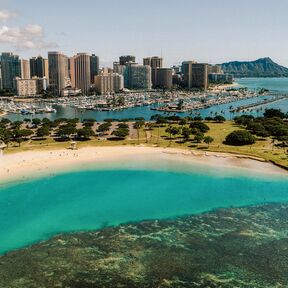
260 103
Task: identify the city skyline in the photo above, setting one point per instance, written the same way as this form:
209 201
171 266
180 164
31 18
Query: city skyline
183 30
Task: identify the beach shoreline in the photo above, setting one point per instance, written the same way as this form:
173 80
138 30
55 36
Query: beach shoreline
221 87
27 165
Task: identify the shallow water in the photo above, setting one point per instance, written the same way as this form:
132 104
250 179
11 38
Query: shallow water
92 199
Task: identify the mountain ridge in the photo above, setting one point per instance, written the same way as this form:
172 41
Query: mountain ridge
262 67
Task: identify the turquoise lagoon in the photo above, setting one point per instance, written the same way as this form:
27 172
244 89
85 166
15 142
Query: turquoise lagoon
94 198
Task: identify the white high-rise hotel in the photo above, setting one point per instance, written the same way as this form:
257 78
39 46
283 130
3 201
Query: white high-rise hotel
109 83
80 72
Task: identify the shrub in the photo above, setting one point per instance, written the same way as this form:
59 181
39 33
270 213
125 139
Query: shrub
244 120
219 119
240 138
270 113
121 133
202 127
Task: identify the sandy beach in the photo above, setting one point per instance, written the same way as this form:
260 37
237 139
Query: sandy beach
221 87
26 165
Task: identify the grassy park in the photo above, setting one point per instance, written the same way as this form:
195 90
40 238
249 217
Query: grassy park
163 133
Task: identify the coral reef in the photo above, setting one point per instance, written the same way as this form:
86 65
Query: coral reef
236 247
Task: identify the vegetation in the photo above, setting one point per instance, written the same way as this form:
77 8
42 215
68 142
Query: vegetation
121 133
208 140
239 138
272 125
263 67
263 137
200 126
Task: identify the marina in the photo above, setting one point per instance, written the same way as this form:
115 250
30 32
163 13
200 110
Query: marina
260 103
25 108
132 105
163 102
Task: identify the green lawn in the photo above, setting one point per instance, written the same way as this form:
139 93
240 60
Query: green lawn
262 148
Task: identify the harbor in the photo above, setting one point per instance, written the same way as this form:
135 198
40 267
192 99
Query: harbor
24 108
174 101
274 99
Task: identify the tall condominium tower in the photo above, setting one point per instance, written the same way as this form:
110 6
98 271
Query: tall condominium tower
39 67
164 78
10 69
109 83
195 75
58 72
137 76
215 69
80 72
200 76
25 69
94 67
186 70
123 60
155 63
117 68
1 87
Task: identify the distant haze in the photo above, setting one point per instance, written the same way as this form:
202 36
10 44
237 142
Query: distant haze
205 31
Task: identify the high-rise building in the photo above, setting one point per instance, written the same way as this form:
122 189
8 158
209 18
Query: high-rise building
58 72
117 68
39 67
1 87
195 75
177 69
30 87
109 83
107 70
123 60
215 69
80 73
220 78
147 61
200 76
164 78
186 70
94 67
137 76
25 69
155 63
10 69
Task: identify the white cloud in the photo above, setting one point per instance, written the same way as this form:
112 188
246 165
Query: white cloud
22 38
34 30
29 37
6 15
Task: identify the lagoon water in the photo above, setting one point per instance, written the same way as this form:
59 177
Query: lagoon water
84 200
36 210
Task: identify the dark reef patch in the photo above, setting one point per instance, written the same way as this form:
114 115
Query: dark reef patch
241 247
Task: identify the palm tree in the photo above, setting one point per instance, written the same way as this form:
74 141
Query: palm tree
138 125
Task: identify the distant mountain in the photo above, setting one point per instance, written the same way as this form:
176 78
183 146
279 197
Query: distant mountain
263 67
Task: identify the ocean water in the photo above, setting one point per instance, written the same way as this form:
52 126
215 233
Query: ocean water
92 199
273 84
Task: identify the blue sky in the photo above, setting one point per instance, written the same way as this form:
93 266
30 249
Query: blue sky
203 30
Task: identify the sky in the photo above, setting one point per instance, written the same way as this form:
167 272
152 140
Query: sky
212 31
